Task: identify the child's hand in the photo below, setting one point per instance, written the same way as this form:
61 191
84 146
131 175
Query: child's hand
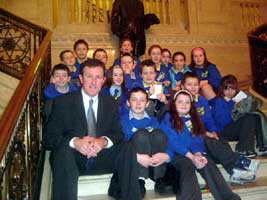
199 161
144 160
162 98
151 89
166 83
203 83
159 158
212 135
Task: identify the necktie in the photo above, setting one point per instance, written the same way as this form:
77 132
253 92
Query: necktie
116 92
91 122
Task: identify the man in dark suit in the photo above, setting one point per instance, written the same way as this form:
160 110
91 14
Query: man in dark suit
78 149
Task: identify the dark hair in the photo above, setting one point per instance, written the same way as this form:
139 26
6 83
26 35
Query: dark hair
126 39
189 75
177 122
137 89
100 50
228 81
109 80
147 63
126 54
206 61
92 63
166 50
154 46
63 52
60 67
80 41
177 54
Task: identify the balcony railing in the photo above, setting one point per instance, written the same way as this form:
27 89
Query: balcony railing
21 122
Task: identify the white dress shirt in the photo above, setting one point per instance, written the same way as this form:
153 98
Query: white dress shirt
86 99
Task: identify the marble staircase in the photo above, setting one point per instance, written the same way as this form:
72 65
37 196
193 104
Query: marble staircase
95 187
8 85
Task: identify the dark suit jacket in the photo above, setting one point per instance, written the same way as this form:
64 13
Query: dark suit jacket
68 120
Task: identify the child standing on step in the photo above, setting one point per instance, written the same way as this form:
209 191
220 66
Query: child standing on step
186 133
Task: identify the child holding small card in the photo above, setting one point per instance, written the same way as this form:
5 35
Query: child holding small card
242 128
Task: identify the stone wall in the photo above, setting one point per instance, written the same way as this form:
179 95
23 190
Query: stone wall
220 26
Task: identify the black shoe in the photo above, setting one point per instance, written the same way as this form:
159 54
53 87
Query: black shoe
248 154
142 187
263 151
163 187
114 189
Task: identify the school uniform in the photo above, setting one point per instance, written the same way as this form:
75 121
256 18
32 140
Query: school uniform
162 73
183 142
146 137
212 74
219 150
51 92
176 75
241 130
137 63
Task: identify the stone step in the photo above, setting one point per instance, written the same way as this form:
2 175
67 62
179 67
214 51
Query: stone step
8 85
97 185
250 191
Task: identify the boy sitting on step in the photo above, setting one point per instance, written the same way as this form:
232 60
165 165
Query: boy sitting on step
60 82
141 131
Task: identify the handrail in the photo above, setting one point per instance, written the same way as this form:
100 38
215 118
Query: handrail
15 105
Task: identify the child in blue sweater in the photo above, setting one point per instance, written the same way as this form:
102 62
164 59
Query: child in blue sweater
242 130
207 72
240 168
60 82
166 58
101 55
143 132
126 46
67 57
114 85
178 69
163 75
81 49
186 133
131 77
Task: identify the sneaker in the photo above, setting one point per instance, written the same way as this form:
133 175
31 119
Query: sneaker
248 154
263 151
240 176
248 164
142 187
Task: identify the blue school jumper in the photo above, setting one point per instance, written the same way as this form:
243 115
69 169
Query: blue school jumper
222 112
131 80
130 125
182 142
137 63
176 75
51 92
162 73
212 74
140 83
204 112
168 66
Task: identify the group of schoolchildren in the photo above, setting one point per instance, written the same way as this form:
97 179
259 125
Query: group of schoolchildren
177 116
